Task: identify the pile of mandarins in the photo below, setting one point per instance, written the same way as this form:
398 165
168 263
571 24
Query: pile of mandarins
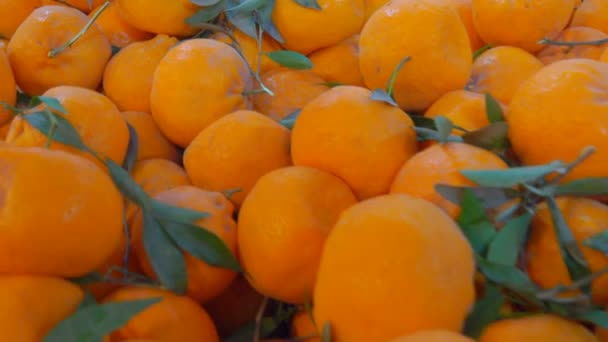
303 170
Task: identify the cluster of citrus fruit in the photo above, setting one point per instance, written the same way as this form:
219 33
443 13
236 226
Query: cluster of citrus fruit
303 170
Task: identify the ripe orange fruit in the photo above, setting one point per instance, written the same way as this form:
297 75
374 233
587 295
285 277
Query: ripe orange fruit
116 29
521 23
82 5
249 48
50 27
152 143
383 264
13 13
204 281
592 13
464 108
553 53
585 218
465 10
8 88
339 62
604 56
545 104
235 151
302 326
306 30
174 318
4 130
542 327
441 164
159 16
282 227
127 79
433 336
33 305
360 140
183 102
78 213
439 63
95 118
282 82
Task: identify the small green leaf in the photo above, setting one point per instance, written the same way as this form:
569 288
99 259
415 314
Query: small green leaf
90 278
290 120
423 122
485 311
247 6
493 109
390 86
511 177
63 131
599 242
481 50
243 21
490 197
444 127
169 213
206 14
264 15
597 317
492 137
205 2
312 4
51 102
510 277
506 246
127 186
290 59
591 186
132 149
115 50
474 222
383 96
93 322
326 334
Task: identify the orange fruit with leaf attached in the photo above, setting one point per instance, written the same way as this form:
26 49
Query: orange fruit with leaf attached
540 327
83 5
78 213
33 305
439 63
249 48
49 28
501 70
119 32
384 256
282 227
173 318
13 13
306 29
592 13
183 102
282 82
303 327
127 79
339 62
204 281
544 106
464 108
433 336
361 140
235 151
8 89
553 53
152 144
521 23
159 16
442 164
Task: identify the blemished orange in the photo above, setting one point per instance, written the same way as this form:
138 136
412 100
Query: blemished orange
48 28
546 267
152 144
306 30
434 336
82 5
235 151
542 327
441 164
383 256
78 213
282 227
282 82
13 13
553 53
127 79
8 88
464 108
117 30
360 140
174 318
439 63
204 281
159 16
521 23
95 118
544 105
592 13
183 102
501 70
33 305
249 48
339 62
303 327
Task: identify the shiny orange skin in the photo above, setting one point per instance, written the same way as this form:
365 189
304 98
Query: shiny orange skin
33 305
464 108
82 5
384 265
545 104
183 103
50 27
439 63
282 227
433 336
339 62
204 281
536 328
249 48
127 79
116 29
174 318
554 53
8 88
78 220
360 140
13 13
592 13
303 326
235 151
152 143
159 16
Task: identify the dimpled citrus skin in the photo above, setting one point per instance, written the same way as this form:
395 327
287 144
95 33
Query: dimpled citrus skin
360 140
592 13
554 104
553 53
339 62
8 88
33 305
439 63
383 256
433 336
183 102
159 16
464 108
536 328
13 13
78 213
235 151
152 143
50 27
117 30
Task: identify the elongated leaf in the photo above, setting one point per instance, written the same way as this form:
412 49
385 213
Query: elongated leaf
312 4
166 258
474 222
168 213
507 244
132 149
265 20
205 2
510 177
597 317
50 102
63 132
485 311
444 127
383 96
206 14
247 6
493 109
510 277
127 186
290 59
242 20
599 241
492 137
491 197
290 120
591 186
93 322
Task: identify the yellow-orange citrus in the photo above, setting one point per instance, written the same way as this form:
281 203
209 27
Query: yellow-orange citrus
553 53
592 13
13 13
536 328
249 48
433 336
152 143
464 108
159 16
117 30
8 88
339 62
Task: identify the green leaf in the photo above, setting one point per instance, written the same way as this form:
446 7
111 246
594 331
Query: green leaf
591 186
332 84
599 242
50 102
290 120
63 131
506 246
485 311
474 222
507 178
290 59
247 6
23 99
88 300
492 137
90 278
206 14
597 317
93 322
481 50
167 260
326 332
169 213
390 86
312 4
493 109
205 2
132 149
127 186
264 15
243 21
383 96
423 122
508 276
115 50
491 197
444 127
